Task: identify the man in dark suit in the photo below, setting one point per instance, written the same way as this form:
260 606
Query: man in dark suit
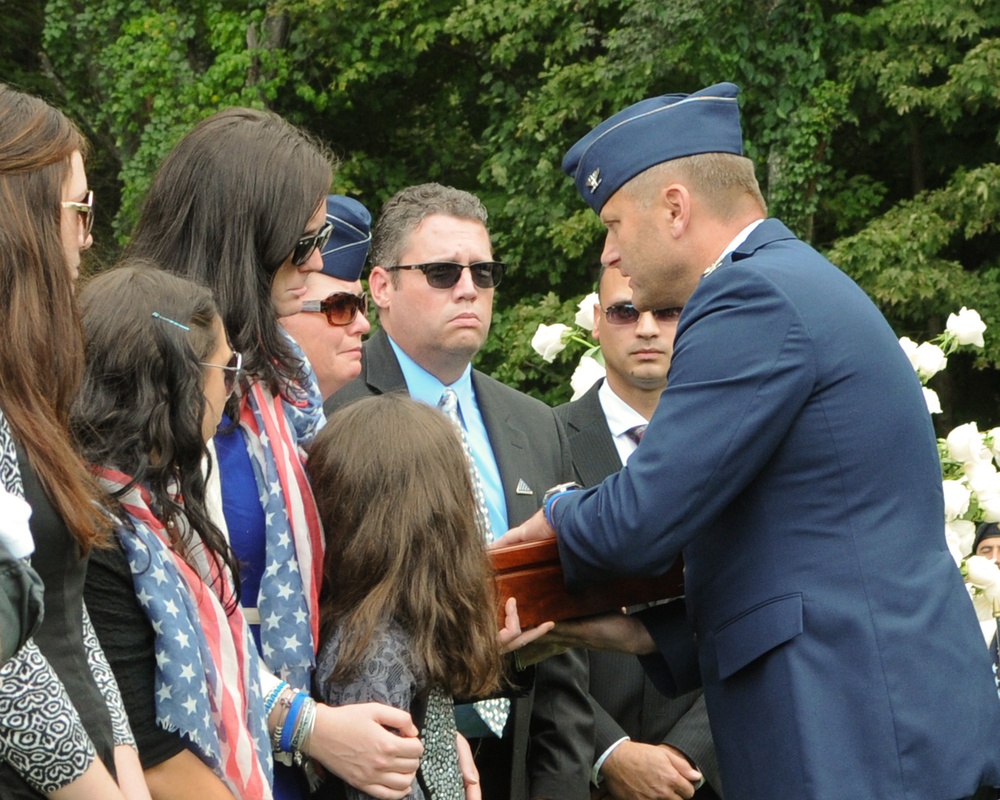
792 460
647 746
433 281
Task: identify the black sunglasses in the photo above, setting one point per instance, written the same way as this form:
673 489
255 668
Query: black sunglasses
445 274
628 314
85 210
305 246
341 308
233 368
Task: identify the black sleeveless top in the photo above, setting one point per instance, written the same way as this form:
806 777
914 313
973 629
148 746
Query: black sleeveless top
62 569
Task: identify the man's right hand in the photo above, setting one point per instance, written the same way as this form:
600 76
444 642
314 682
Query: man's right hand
636 771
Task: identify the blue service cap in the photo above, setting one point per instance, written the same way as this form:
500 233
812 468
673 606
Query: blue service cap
345 254
650 132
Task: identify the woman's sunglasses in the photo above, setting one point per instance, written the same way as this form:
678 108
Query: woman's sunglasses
305 246
234 371
85 210
628 314
341 308
445 274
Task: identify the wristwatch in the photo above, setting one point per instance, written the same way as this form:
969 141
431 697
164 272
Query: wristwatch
550 496
559 489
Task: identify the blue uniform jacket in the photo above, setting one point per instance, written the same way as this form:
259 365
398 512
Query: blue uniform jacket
793 461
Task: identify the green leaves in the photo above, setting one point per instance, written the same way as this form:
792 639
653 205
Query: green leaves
874 126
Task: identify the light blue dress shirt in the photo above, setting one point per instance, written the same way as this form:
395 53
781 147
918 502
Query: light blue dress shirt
427 389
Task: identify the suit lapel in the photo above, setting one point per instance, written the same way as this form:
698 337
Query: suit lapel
382 372
509 443
594 453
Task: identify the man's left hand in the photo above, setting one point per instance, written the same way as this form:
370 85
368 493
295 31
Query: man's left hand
636 771
534 529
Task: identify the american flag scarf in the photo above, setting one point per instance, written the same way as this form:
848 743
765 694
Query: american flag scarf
202 653
289 587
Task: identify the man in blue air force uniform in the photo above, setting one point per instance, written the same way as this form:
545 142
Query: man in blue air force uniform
792 460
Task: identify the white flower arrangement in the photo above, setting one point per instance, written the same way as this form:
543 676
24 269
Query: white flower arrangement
550 340
969 460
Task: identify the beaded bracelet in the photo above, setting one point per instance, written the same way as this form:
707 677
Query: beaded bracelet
273 696
285 702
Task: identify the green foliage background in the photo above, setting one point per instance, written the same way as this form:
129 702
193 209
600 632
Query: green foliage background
874 126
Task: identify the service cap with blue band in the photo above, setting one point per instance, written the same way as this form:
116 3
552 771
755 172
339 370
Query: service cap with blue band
650 132
345 254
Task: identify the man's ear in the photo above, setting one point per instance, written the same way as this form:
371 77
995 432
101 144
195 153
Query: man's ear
379 286
675 201
596 332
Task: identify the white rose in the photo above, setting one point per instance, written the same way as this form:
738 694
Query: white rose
932 400
960 534
982 477
587 373
989 505
910 349
966 326
548 341
585 316
930 360
994 434
965 444
984 613
956 499
984 574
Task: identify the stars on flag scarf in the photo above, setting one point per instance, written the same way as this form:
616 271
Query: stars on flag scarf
207 669
288 602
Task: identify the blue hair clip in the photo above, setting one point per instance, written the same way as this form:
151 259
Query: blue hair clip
158 315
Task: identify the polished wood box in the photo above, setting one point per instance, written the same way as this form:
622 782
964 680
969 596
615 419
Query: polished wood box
531 572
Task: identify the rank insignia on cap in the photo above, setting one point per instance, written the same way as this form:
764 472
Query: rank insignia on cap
594 180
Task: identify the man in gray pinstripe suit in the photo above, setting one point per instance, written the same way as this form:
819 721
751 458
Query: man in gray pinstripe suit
647 746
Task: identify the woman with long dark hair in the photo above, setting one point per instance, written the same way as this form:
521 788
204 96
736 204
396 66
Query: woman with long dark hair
239 205
62 727
165 600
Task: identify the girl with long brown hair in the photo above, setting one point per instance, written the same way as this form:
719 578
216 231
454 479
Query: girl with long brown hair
164 599
62 727
408 613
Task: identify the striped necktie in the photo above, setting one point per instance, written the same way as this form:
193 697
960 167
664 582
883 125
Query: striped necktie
494 712
636 433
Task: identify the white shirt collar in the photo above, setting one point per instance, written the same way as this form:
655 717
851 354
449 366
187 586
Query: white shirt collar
736 242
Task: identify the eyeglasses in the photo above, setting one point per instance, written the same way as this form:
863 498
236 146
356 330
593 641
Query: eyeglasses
628 314
233 368
305 246
341 308
85 210
445 274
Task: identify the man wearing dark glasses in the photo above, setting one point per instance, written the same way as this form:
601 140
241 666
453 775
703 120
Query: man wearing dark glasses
334 313
433 281
647 745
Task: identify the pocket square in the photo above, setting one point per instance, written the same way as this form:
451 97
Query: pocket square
523 488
